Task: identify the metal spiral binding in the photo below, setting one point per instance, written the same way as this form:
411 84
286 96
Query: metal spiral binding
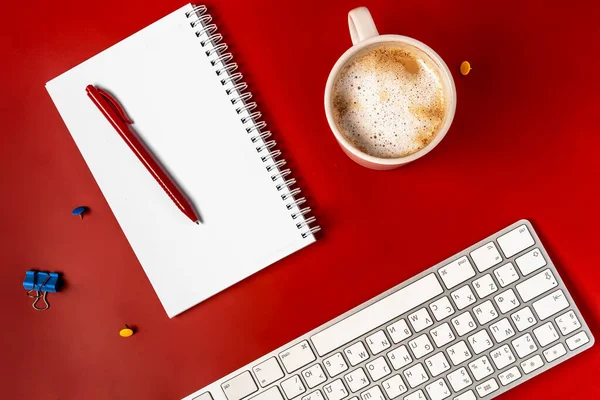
214 40
266 146
238 87
216 51
245 97
302 211
262 137
223 59
277 164
272 155
258 126
292 194
228 68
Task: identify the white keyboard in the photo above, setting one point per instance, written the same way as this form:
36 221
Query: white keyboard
473 326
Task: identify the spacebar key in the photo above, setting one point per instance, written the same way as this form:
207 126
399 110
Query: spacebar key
376 314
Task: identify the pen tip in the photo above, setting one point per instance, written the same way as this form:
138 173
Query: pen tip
197 222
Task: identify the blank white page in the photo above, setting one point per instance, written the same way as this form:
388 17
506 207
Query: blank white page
164 80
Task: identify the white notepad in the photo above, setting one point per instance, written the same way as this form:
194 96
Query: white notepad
164 78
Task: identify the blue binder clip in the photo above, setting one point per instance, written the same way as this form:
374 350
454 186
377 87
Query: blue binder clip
41 283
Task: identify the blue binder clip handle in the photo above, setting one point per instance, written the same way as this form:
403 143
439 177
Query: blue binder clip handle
41 283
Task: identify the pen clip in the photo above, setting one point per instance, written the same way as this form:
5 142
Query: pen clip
115 105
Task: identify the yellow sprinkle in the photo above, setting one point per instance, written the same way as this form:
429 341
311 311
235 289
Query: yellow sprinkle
126 332
465 67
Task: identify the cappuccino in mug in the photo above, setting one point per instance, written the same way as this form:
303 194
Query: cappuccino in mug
389 101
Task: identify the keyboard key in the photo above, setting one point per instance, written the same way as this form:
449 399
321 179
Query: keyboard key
468 395
487 387
458 352
545 334
420 346
356 380
377 342
399 331
267 372
532 364
506 274
554 352
567 323
502 330
485 286
356 353
463 297
316 395
441 308
507 301
399 357
335 364
293 387
485 312
480 341
438 390
376 314
502 357
272 393
536 285
509 376
239 386
204 396
459 379
394 386
378 368
550 304
436 364
314 375
515 241
577 341
486 256
530 261
372 394
456 272
415 375
463 323
297 356
420 320
336 391
442 335
523 319
524 345
481 368
418 395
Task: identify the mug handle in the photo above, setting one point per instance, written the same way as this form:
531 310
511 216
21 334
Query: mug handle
361 25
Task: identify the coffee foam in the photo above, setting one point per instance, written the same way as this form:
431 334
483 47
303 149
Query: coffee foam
389 101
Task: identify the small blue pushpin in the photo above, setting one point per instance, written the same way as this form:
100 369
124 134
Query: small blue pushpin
79 211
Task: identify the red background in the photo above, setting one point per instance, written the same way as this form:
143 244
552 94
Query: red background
524 144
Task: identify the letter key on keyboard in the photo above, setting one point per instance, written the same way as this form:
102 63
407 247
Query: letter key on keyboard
473 326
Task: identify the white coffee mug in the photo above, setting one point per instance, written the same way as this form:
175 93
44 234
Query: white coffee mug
364 33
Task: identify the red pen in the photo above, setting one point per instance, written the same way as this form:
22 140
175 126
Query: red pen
115 114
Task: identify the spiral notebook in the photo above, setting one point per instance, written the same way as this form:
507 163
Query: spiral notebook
190 106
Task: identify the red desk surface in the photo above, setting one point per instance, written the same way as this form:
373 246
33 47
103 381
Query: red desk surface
524 144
